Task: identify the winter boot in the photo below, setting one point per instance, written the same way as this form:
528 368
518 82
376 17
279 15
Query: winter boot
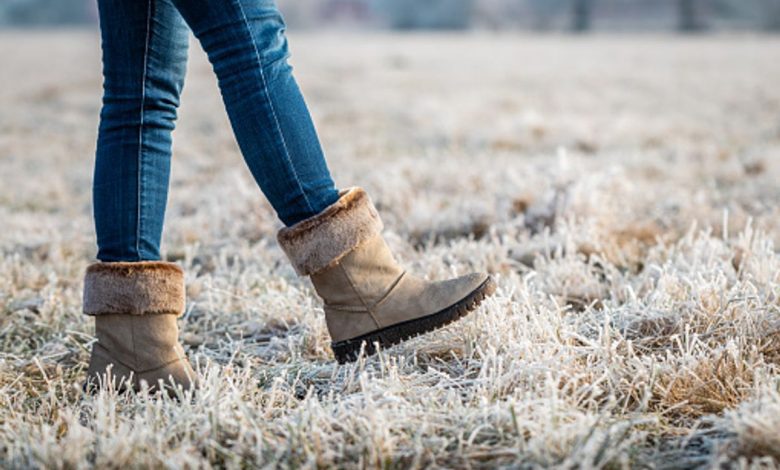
135 305
368 297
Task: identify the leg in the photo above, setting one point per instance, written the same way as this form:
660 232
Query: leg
245 42
333 237
144 61
136 302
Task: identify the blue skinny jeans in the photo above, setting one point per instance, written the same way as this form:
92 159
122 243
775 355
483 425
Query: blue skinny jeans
144 45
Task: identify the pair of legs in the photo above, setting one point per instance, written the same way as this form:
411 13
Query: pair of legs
145 46
333 237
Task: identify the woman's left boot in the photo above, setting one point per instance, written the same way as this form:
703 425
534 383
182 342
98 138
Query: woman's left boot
369 298
135 305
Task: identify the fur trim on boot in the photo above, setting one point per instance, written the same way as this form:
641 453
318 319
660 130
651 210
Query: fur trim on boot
319 242
137 288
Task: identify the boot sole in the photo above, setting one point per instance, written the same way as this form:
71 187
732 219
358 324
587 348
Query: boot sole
349 350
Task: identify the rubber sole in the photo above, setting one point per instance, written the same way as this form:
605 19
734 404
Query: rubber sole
349 350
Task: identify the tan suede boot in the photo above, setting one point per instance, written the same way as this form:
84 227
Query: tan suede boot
135 307
368 297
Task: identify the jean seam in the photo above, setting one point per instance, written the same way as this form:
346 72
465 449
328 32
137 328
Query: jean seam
140 186
271 106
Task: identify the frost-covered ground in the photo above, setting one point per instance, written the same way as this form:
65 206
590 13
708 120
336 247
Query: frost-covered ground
625 192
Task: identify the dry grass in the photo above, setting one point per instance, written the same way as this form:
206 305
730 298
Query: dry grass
624 192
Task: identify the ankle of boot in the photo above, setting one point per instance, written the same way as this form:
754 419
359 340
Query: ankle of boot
134 288
319 242
140 342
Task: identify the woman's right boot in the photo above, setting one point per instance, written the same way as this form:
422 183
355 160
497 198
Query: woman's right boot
135 305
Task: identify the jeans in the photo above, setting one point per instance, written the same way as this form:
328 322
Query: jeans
144 45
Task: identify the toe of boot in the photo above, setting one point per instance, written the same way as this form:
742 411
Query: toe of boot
172 376
416 307
415 298
454 290
458 296
177 373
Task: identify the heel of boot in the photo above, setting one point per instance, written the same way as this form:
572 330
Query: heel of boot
106 373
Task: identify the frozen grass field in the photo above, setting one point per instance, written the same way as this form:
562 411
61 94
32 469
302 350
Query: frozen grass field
625 192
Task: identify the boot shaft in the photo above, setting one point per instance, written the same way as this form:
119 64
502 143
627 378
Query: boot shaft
362 278
140 342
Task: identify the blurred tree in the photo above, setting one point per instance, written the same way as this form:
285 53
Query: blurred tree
544 13
541 15
356 10
45 12
427 14
772 16
581 17
690 16
299 14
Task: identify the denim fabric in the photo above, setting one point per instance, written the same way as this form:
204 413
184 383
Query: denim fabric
144 62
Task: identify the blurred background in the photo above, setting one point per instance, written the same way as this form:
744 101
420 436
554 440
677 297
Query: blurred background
534 15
